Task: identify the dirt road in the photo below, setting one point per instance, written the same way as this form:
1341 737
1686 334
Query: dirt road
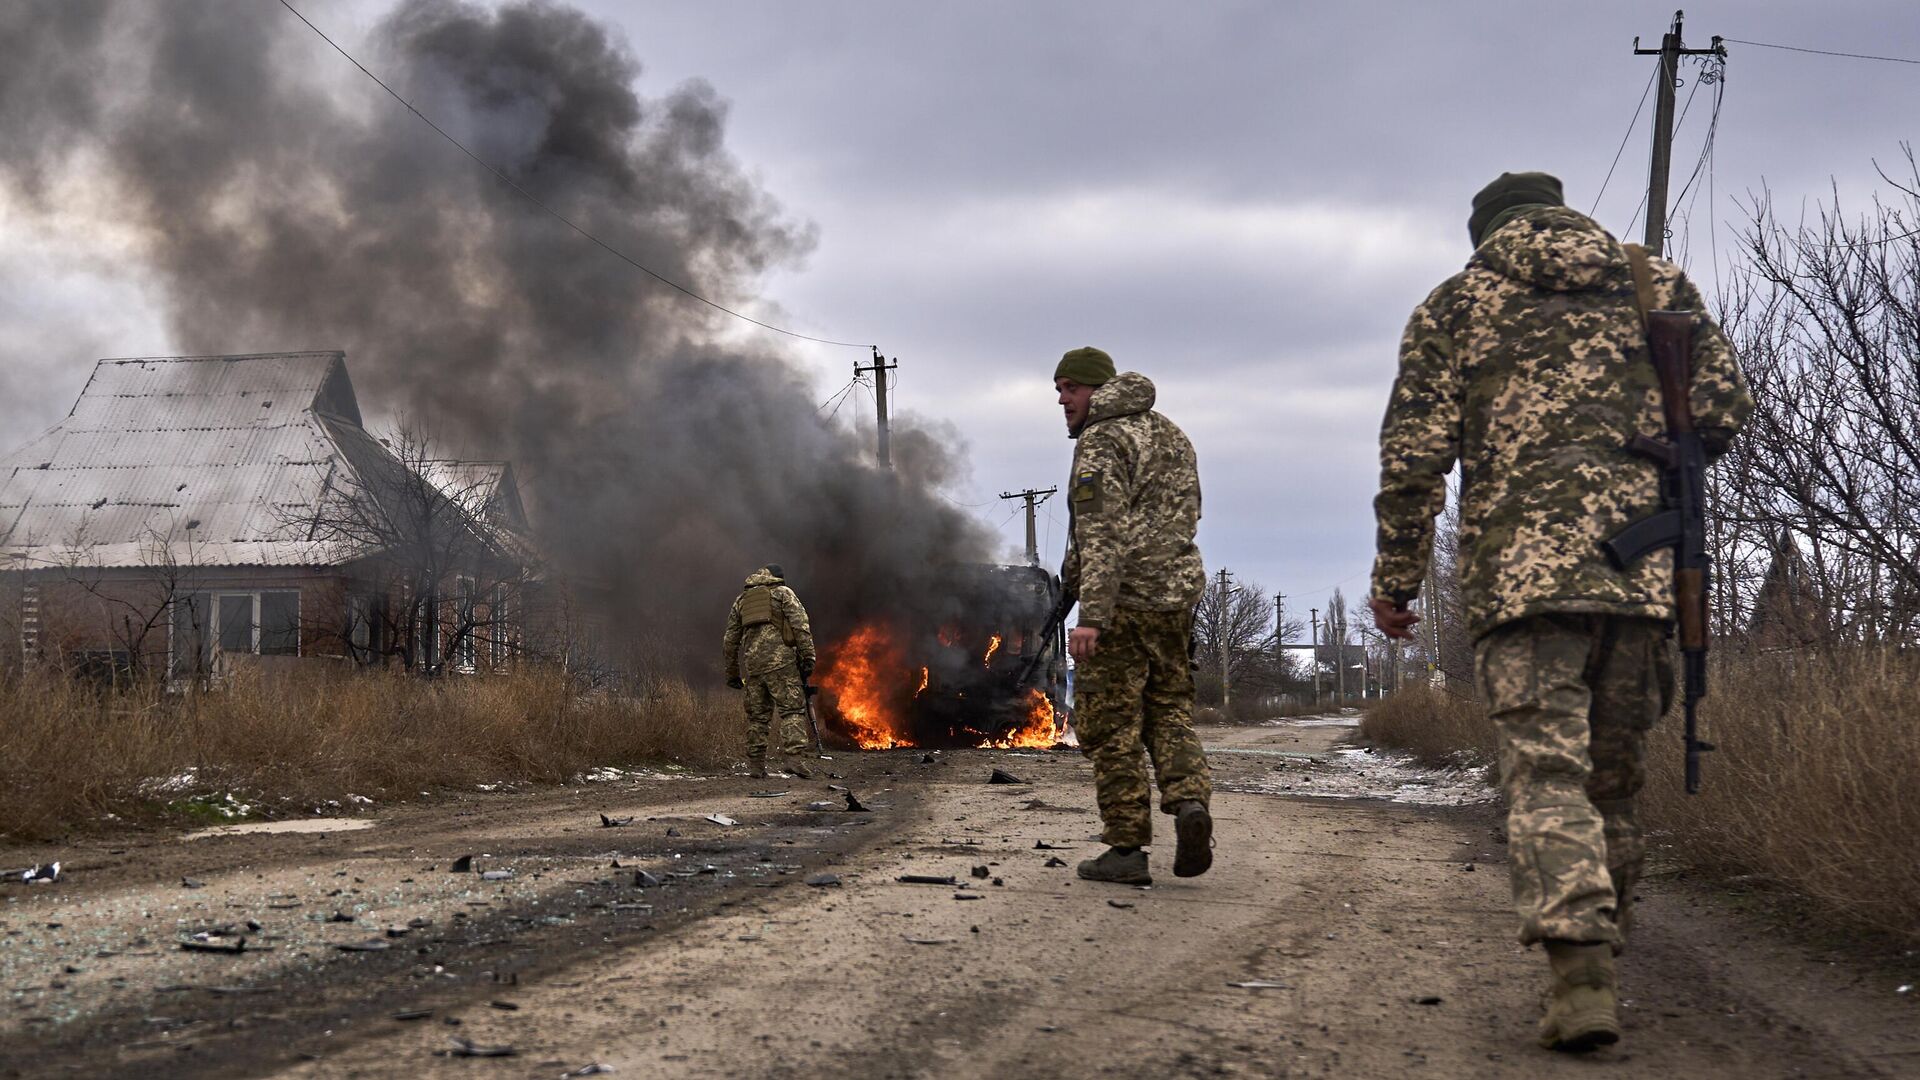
1374 933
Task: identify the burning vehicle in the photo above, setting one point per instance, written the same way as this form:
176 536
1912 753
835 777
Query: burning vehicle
985 669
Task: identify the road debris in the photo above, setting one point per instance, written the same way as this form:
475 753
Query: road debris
1042 845
855 806
1427 999
821 881
1002 776
369 945
1120 903
469 1048
717 819
928 879
982 872
213 942
503 1006
928 940
644 880
189 883
496 875
594 1069
615 822
1054 860
413 1014
461 865
768 794
1259 984
36 874
968 896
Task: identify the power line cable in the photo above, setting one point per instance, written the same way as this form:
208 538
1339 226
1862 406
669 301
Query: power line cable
1631 124
1822 52
555 214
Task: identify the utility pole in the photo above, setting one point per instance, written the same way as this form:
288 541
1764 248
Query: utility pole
1670 51
1220 635
1316 656
880 367
1034 498
1280 627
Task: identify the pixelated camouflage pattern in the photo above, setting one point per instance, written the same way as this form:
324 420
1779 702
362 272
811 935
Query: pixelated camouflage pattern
1134 695
756 650
1134 497
778 691
1572 698
1531 368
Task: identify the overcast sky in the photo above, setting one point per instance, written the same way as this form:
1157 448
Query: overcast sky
1240 200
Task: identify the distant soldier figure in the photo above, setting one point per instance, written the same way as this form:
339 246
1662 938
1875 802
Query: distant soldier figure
1134 498
1531 369
769 648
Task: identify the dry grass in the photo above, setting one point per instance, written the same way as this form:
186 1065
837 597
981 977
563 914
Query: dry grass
69 755
1812 789
1435 726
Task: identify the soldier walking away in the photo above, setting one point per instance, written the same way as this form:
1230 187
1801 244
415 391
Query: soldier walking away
1531 369
769 649
1132 563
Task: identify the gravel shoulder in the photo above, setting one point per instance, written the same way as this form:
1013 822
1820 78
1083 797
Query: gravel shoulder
1376 931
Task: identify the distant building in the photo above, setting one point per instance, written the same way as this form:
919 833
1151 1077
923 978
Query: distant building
193 510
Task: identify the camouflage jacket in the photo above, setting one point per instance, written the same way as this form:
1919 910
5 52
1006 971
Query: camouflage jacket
1531 369
756 650
1134 498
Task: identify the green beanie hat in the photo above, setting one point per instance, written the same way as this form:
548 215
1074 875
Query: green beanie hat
1087 366
1512 191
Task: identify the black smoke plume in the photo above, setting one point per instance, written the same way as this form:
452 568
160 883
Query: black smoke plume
280 200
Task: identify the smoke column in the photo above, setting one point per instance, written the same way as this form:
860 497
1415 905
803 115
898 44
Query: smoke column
282 201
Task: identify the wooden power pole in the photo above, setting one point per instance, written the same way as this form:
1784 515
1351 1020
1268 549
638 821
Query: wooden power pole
1220 635
1671 49
1316 656
880 367
1034 499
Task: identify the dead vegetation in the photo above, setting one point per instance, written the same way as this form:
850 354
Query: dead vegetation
70 754
1811 789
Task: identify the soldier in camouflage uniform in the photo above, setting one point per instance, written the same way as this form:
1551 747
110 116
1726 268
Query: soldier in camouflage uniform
769 651
1530 368
1131 560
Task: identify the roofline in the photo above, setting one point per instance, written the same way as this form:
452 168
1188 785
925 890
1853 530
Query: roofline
277 355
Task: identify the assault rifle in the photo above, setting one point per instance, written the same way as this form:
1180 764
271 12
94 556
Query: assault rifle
1681 524
1054 618
813 725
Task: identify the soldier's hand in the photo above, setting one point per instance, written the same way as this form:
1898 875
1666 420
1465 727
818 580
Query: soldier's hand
1393 620
806 669
1082 641
734 681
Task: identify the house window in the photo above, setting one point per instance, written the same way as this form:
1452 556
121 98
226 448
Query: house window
366 626
463 645
498 633
264 622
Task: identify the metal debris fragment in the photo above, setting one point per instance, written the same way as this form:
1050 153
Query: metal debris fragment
928 879
461 865
855 806
369 945
644 880
720 819
1042 845
413 1014
615 822
1259 984
929 940
821 881
496 875
982 872
768 794
1054 860
1002 776
469 1048
1120 903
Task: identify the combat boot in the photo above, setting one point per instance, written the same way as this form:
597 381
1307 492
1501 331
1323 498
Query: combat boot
1193 829
1582 1011
1120 866
757 768
796 767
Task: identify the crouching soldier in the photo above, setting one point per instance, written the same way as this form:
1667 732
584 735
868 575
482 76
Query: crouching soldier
769 651
1134 497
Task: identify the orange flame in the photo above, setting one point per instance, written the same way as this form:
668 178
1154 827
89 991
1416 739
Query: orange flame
1040 730
992 647
856 673
923 682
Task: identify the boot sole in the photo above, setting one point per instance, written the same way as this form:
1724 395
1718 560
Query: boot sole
1592 1038
1193 836
1141 879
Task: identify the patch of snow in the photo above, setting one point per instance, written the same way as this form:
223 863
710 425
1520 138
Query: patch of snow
293 825
1359 773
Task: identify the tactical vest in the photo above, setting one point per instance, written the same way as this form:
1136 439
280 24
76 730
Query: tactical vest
758 609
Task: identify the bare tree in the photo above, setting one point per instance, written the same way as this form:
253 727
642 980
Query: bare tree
1826 319
1237 621
443 578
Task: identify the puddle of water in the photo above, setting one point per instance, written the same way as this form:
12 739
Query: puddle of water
1354 773
291 825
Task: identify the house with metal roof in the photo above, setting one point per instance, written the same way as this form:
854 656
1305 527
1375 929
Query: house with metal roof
191 510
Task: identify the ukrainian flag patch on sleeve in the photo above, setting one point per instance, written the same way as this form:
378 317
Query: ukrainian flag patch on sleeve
1086 491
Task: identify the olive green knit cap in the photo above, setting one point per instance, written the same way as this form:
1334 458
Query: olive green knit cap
1087 366
1507 194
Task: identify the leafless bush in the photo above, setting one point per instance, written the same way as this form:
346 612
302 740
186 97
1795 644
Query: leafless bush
1436 727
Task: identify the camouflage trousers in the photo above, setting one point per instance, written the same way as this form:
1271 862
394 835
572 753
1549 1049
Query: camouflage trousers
1572 698
1133 702
780 690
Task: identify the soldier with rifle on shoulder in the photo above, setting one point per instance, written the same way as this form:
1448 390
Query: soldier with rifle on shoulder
1582 451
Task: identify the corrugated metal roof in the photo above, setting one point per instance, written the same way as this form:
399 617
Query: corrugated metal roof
207 461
